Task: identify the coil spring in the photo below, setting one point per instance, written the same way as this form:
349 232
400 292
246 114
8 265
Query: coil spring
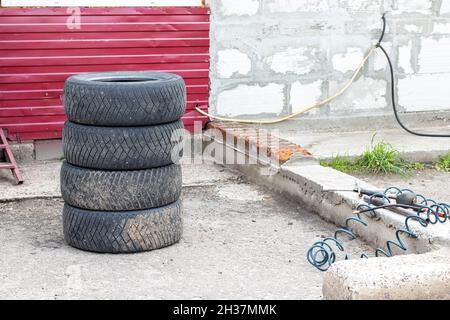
321 254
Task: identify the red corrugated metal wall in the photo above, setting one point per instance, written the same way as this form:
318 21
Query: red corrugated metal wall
38 52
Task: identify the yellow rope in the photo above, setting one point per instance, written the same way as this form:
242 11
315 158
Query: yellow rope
306 109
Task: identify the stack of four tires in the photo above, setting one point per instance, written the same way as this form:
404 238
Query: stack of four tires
120 180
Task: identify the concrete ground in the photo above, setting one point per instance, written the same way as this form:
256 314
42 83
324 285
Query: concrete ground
41 180
240 242
353 143
430 183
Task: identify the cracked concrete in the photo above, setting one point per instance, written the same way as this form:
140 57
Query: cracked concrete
240 241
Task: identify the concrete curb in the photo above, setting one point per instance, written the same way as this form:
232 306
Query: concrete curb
316 189
308 184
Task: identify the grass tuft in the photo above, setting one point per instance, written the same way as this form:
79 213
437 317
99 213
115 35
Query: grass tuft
444 163
340 163
380 158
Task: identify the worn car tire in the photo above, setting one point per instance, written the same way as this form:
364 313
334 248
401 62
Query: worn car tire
122 148
120 190
124 231
128 98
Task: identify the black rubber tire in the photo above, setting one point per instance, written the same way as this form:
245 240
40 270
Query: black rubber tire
121 148
128 98
122 232
120 190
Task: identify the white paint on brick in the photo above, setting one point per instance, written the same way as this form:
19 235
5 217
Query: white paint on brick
303 95
347 61
99 3
434 55
414 6
294 60
251 99
366 93
425 92
379 62
232 61
298 5
239 7
404 58
445 7
414 28
371 7
441 28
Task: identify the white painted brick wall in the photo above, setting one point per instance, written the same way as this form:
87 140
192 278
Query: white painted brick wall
379 61
445 7
251 99
294 60
425 92
361 6
347 61
365 93
298 5
239 7
303 95
273 56
404 58
414 6
413 28
434 55
233 61
441 28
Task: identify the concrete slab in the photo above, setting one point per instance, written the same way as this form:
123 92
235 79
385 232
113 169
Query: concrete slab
327 144
240 241
23 152
48 149
411 277
41 180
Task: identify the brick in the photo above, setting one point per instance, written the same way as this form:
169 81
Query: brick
251 99
232 61
441 28
404 58
279 149
303 95
379 61
416 6
433 55
239 8
445 7
424 92
347 61
359 7
300 61
365 93
298 6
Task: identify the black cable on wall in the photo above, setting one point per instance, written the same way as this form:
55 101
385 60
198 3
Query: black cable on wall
394 106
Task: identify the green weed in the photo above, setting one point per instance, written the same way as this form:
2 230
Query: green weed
444 163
